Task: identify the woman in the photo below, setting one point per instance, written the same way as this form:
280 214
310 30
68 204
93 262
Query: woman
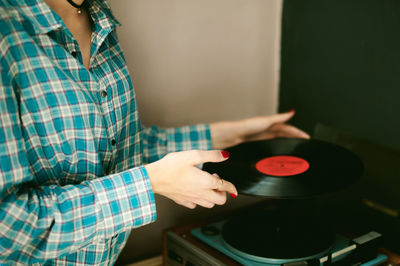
77 170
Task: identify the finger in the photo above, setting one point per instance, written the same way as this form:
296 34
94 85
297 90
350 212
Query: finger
189 205
279 130
261 136
197 157
217 176
219 180
217 197
186 204
289 131
256 125
228 187
204 203
214 182
222 185
213 196
281 118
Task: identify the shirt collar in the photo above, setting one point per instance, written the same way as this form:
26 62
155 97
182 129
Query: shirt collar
100 11
44 20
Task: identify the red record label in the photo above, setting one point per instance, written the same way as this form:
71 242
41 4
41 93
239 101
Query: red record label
282 165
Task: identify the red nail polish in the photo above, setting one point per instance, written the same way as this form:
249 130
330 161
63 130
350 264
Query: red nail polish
233 196
225 154
291 111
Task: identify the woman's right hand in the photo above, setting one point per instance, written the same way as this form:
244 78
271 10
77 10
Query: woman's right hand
176 177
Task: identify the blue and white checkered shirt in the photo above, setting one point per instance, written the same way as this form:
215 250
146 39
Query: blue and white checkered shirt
72 148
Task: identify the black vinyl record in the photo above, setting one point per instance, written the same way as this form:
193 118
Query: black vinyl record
288 168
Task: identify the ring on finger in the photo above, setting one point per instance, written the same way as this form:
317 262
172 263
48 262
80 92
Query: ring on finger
221 183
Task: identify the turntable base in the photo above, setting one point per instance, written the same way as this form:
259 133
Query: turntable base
181 246
217 242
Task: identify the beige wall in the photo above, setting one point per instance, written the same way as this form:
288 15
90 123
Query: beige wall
198 61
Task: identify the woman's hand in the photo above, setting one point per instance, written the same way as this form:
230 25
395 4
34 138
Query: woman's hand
176 177
228 134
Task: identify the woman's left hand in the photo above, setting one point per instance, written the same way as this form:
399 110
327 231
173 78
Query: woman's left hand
228 134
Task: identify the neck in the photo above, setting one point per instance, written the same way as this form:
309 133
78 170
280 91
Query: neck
64 9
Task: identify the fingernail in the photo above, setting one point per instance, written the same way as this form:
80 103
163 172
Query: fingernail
233 196
291 111
225 154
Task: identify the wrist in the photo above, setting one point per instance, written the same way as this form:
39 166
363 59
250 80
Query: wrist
152 174
224 134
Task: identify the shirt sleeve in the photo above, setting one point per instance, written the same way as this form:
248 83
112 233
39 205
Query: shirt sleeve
44 222
158 142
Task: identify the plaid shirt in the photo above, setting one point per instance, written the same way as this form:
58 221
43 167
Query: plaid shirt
72 184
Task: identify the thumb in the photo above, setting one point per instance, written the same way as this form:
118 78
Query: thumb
281 118
197 157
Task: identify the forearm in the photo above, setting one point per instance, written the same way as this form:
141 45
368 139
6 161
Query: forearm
157 142
224 134
51 221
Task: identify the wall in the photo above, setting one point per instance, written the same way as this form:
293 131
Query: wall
198 61
341 66
341 69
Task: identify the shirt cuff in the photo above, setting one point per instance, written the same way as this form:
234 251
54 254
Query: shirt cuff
195 137
126 200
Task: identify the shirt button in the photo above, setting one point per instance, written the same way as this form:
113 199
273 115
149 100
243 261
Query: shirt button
113 142
103 94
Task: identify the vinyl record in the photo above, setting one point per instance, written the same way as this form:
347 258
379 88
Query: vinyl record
288 168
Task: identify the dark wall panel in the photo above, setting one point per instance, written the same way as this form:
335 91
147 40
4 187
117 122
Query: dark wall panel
341 66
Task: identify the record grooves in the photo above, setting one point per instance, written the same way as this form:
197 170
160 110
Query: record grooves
288 168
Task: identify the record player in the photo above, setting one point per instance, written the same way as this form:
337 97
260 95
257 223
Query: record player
292 227
203 244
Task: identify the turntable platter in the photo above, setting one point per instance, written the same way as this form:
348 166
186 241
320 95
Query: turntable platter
271 237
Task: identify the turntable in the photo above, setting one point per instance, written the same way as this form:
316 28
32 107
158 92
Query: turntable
213 243
280 244
292 227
